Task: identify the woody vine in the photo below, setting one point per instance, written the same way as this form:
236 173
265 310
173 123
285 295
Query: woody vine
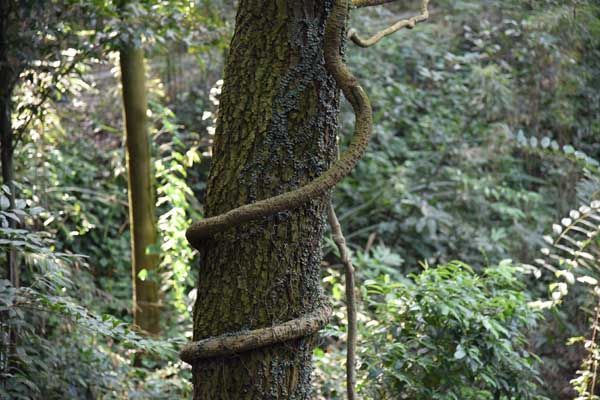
200 232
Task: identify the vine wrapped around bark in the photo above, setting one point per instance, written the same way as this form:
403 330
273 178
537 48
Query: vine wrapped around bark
199 233
356 96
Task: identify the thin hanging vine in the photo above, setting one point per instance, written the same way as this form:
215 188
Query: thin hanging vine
201 231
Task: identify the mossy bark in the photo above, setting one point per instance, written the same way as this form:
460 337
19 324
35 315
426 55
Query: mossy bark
275 132
142 215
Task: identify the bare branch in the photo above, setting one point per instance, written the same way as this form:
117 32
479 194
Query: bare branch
404 23
369 3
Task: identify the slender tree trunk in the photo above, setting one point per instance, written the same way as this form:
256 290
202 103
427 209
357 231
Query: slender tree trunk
275 132
7 73
6 155
142 215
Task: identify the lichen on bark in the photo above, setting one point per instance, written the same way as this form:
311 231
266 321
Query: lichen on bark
275 132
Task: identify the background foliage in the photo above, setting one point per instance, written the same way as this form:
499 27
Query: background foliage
485 150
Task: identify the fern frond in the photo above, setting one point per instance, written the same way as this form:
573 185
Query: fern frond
573 251
547 145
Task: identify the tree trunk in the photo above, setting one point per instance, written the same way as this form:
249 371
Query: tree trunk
6 155
142 215
275 132
7 73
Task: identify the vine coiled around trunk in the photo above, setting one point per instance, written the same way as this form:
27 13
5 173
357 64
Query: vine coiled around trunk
201 231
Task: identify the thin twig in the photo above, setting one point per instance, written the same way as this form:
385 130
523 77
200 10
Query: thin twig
340 241
45 95
369 3
403 23
370 242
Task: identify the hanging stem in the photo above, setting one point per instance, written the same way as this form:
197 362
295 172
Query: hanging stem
593 350
340 241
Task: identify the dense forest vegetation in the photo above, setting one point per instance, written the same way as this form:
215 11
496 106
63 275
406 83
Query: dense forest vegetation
472 219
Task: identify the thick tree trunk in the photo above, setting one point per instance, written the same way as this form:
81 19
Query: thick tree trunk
275 132
142 215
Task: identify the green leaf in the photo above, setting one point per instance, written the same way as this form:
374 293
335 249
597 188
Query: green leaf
460 353
143 274
4 202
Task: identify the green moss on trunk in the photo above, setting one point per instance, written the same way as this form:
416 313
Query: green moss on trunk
276 132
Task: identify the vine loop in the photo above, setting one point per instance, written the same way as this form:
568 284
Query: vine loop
197 235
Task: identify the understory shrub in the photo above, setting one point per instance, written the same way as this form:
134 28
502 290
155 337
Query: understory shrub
444 333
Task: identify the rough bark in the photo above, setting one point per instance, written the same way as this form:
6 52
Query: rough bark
142 215
275 132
